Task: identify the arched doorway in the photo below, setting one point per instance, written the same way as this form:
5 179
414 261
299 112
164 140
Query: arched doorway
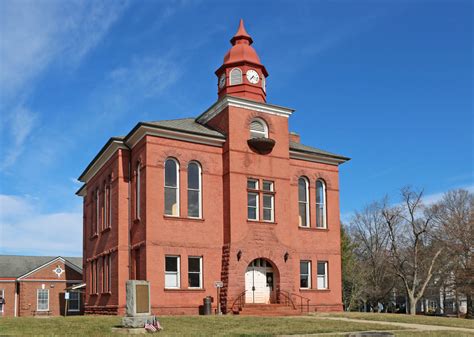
260 282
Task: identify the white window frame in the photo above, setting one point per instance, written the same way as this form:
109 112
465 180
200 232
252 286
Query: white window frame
138 191
322 203
200 271
306 203
234 80
109 273
78 302
168 187
324 277
198 190
2 306
97 210
177 273
272 198
37 299
258 133
308 262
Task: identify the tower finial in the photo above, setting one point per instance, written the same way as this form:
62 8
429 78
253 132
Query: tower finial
241 36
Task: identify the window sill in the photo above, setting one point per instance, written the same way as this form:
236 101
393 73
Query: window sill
94 236
136 221
107 229
179 218
191 290
262 222
313 229
314 290
94 294
107 293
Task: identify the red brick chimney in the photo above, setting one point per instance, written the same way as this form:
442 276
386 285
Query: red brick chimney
294 137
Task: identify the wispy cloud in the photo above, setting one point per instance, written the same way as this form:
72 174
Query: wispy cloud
24 229
34 36
20 122
148 76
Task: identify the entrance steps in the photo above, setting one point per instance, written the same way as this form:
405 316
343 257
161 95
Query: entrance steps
268 310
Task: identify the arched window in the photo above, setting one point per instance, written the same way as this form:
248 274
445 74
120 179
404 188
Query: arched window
258 128
171 187
264 84
137 191
235 76
194 190
303 204
320 204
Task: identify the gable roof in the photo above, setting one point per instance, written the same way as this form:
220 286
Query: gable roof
14 266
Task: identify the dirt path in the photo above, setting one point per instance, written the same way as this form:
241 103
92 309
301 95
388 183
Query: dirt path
406 326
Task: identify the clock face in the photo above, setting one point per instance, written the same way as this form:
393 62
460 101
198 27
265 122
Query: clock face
222 81
252 76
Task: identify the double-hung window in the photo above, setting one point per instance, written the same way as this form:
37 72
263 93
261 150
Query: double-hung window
2 297
305 274
268 201
138 191
252 199
320 204
74 303
97 211
171 187
42 300
303 204
194 190
195 272
322 275
172 279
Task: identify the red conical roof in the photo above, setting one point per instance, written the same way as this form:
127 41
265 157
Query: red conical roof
241 35
241 50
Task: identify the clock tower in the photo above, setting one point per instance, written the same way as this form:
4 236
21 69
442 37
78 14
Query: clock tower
242 74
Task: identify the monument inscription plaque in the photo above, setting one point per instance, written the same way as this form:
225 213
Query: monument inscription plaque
142 292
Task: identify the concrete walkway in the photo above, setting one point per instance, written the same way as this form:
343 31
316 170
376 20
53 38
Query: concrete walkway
405 326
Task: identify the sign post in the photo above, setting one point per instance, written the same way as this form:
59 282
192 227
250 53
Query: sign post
66 298
218 285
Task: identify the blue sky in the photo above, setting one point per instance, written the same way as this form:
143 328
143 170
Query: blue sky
387 83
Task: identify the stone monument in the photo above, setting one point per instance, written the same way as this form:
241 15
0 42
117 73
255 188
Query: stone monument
138 309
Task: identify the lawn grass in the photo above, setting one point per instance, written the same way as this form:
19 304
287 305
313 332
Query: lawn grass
181 326
401 318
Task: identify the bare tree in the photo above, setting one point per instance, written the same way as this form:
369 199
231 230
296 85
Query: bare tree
413 253
454 215
372 250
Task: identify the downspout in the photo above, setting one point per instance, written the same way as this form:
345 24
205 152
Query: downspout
129 211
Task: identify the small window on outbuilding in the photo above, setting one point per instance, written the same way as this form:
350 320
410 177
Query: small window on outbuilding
258 129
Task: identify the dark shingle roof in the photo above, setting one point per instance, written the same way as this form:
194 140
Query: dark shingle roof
17 265
187 125
309 149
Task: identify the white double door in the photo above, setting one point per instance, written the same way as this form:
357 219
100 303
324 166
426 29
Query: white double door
257 288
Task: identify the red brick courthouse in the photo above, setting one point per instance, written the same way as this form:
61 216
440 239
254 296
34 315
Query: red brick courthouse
229 195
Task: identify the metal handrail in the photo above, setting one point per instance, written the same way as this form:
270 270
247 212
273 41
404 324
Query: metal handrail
240 300
302 298
287 297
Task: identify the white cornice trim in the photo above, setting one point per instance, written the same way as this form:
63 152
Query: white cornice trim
103 158
145 130
316 158
66 262
238 102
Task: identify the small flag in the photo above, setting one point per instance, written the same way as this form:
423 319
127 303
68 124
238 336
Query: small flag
150 327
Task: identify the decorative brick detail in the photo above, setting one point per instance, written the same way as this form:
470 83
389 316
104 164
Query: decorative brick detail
225 276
